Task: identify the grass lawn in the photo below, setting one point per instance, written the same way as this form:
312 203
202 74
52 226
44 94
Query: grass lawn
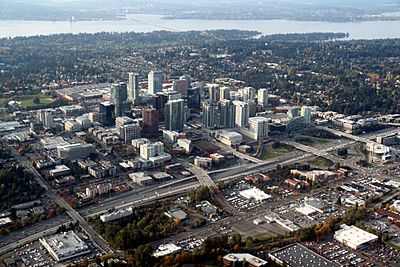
27 100
322 162
206 145
311 142
271 152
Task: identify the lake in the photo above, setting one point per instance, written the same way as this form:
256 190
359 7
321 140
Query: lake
148 23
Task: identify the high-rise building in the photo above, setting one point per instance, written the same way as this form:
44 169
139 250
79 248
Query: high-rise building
210 114
175 115
173 95
155 81
150 120
193 97
46 117
262 97
293 112
258 126
248 94
227 114
213 92
107 113
127 128
241 113
181 86
133 87
306 113
151 150
119 96
224 93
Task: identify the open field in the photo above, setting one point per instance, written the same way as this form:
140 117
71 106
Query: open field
270 152
27 101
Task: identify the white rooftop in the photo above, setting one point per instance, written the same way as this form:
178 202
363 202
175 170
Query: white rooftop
166 249
353 235
254 193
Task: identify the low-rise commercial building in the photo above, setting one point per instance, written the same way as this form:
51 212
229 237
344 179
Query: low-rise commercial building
115 215
237 259
354 237
65 246
75 151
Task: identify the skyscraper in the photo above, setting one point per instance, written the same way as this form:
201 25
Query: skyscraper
306 113
175 115
46 117
213 92
155 82
133 87
150 120
210 114
241 113
193 97
248 94
262 97
227 114
224 93
119 96
107 113
180 86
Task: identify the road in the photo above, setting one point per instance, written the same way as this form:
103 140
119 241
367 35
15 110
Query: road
53 196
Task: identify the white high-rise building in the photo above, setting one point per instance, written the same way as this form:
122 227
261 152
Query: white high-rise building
128 129
224 93
248 94
133 87
46 117
293 112
241 113
155 82
258 126
262 96
306 113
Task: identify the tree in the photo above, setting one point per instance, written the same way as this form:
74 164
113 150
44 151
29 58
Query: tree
36 100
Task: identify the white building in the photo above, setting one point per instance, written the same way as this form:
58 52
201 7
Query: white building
166 249
72 126
75 151
116 215
128 129
100 189
202 162
242 112
306 114
230 138
262 97
155 82
354 237
255 193
258 127
65 246
186 144
140 178
151 150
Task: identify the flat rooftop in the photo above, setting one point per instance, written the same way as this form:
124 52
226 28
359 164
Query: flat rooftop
297 255
65 246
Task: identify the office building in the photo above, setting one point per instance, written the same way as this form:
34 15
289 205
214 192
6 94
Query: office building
248 94
173 95
227 114
213 92
72 126
175 115
293 112
160 101
72 111
107 113
119 96
181 86
241 113
155 82
127 128
193 97
210 114
306 114
75 151
150 121
262 98
65 246
46 117
258 127
224 93
133 87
